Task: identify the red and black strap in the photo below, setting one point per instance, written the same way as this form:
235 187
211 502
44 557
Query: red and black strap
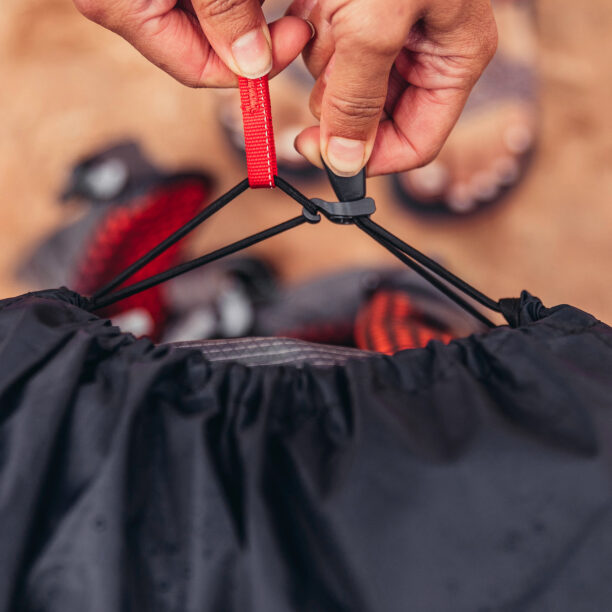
258 132
389 322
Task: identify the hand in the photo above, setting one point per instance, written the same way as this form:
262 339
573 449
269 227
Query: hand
203 43
392 78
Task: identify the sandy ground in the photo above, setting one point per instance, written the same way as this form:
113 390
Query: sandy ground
67 86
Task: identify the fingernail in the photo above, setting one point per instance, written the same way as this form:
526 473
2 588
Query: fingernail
518 138
345 156
253 54
484 185
313 30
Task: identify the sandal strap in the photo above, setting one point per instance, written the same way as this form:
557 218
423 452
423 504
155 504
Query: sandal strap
504 79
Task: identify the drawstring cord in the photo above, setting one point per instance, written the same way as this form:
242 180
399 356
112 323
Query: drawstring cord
352 208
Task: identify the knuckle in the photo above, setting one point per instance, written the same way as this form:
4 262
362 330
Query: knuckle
381 48
367 33
484 37
222 8
427 152
423 158
360 111
364 43
355 107
91 9
315 107
490 41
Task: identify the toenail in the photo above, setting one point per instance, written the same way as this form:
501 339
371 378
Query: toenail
518 138
507 170
460 199
431 180
484 185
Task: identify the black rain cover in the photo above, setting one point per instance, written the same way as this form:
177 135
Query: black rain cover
473 477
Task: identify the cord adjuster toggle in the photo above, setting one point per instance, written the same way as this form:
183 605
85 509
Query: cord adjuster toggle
344 213
352 202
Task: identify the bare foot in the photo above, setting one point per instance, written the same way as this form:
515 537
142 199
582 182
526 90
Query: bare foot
488 149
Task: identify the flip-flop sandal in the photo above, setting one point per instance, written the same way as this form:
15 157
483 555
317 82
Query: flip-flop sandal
219 301
354 315
391 322
126 233
133 207
112 176
506 79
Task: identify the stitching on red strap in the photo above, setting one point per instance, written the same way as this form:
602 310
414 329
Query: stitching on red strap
258 132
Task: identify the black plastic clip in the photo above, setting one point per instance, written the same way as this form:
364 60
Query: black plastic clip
352 201
344 213
311 217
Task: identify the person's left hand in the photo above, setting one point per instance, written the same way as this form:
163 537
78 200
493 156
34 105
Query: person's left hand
392 78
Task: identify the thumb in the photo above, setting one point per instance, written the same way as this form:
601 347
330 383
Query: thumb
353 102
237 31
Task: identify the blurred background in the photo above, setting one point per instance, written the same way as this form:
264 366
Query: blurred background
69 88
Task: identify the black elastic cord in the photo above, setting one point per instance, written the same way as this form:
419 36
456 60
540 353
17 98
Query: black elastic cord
196 263
413 258
397 247
430 278
296 195
430 264
209 211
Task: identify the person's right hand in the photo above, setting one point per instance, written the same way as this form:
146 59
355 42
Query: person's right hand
203 43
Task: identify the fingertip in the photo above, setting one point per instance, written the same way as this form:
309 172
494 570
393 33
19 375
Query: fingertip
252 53
289 36
291 29
307 144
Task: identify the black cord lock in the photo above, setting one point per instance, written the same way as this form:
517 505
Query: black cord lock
352 202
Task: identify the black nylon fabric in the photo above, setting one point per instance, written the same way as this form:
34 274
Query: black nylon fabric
473 477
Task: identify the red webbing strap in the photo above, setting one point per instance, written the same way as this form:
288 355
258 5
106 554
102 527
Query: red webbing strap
258 132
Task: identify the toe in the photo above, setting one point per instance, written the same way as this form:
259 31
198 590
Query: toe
430 181
518 138
460 199
484 186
